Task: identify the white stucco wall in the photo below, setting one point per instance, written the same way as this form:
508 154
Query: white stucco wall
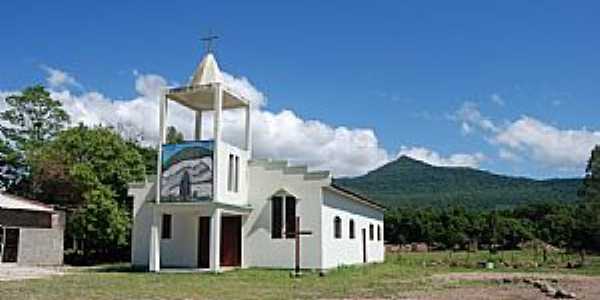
142 219
235 198
346 251
260 250
181 249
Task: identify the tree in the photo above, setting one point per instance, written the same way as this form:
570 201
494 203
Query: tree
586 235
80 159
591 183
31 119
149 155
101 227
174 136
11 165
87 170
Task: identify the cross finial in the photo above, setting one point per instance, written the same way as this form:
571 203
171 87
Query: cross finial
208 41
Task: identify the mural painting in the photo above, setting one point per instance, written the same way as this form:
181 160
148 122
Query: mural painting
187 172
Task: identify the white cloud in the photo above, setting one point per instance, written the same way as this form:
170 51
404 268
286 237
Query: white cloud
59 79
532 139
508 155
243 86
277 135
345 151
149 85
433 158
563 149
497 99
470 117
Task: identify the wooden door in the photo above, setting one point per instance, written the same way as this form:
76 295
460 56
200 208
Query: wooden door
231 241
204 242
11 246
364 244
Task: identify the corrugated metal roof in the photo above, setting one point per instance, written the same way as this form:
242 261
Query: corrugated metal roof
14 202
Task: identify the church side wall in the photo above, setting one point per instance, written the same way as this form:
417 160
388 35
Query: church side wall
346 251
260 250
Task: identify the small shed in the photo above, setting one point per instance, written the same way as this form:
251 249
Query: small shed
31 232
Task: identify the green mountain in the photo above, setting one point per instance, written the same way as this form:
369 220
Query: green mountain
408 182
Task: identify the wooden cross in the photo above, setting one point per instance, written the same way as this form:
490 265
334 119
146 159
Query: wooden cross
296 234
208 41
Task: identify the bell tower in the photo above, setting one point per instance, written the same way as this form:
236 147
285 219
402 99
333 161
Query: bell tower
216 171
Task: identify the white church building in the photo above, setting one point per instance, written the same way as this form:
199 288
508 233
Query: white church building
213 206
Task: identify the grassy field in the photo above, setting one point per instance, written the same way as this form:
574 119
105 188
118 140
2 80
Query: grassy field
410 272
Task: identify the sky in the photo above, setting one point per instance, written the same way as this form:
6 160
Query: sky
506 86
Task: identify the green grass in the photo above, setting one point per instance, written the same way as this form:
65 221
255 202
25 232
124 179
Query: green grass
399 274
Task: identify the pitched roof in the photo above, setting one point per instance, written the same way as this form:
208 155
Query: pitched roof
14 202
354 195
207 71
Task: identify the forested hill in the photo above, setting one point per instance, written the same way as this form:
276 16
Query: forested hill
409 182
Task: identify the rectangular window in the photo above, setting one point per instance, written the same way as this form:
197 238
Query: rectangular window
371 233
276 217
165 232
236 185
290 216
230 174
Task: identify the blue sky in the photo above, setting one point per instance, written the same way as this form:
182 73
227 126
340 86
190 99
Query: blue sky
429 78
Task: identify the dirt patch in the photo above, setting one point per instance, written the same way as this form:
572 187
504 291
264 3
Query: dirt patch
9 272
488 276
494 286
476 293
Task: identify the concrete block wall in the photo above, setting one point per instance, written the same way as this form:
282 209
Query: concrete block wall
40 246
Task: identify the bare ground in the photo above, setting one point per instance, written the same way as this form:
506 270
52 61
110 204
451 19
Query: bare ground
10 272
585 287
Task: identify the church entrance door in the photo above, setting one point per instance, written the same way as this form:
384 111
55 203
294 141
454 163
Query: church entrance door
231 241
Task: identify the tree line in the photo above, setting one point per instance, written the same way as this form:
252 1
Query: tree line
571 226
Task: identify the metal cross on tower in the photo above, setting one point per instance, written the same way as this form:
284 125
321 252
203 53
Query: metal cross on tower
208 41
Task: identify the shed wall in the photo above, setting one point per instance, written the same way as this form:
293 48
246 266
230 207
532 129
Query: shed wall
41 246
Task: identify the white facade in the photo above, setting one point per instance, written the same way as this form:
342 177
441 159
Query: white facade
237 226
318 204
348 250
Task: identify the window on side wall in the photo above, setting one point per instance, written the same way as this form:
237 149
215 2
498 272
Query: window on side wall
371 233
351 229
276 217
165 232
337 227
379 232
290 216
